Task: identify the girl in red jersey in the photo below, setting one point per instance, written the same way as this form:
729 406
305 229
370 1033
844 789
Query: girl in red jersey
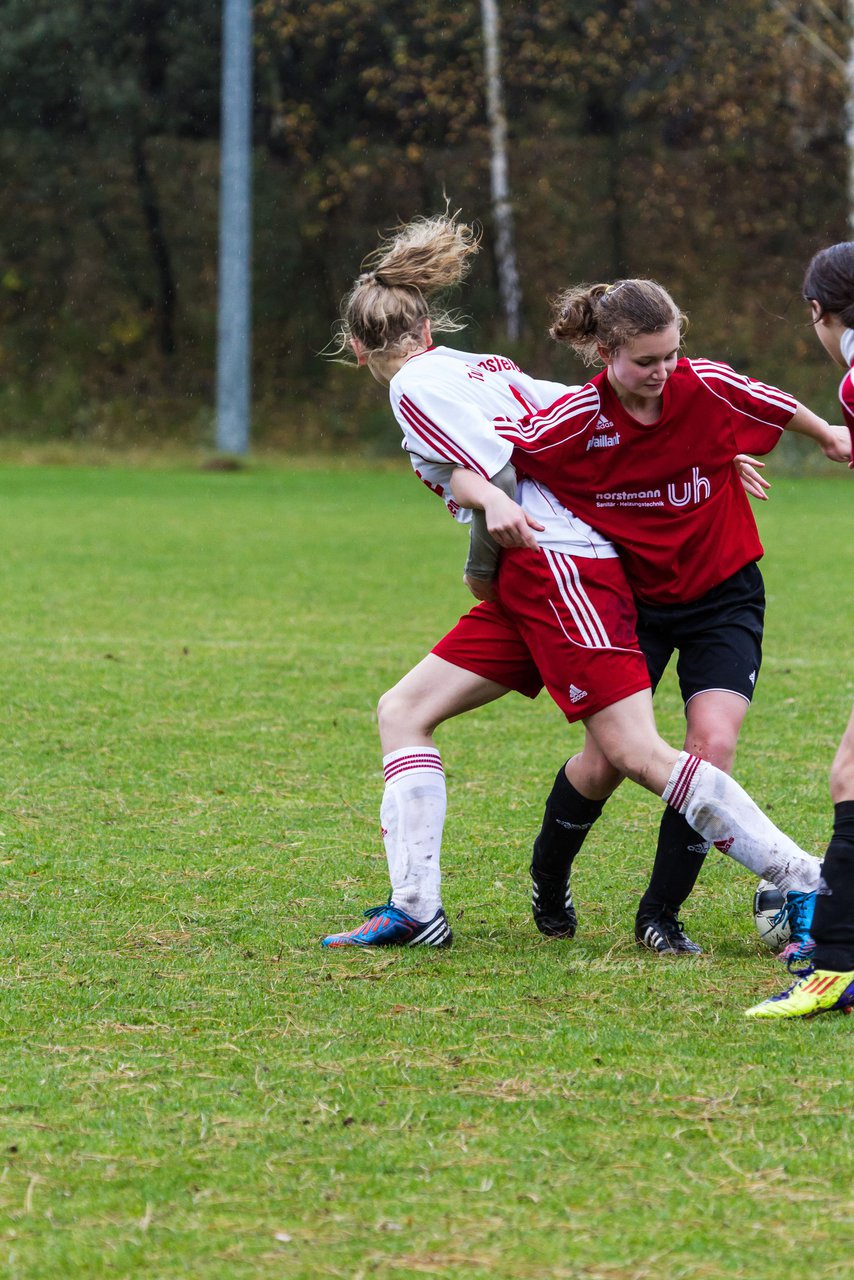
644 453
828 983
564 615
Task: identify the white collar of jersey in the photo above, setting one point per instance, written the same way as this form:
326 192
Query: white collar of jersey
847 346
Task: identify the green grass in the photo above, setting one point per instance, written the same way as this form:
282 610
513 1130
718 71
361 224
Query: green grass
190 1087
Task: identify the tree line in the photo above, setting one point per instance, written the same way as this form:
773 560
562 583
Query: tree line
703 144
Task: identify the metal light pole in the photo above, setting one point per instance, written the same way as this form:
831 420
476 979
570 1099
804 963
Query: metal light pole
502 210
235 232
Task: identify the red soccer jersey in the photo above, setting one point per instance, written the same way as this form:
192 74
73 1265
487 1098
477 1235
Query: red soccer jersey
846 399
666 493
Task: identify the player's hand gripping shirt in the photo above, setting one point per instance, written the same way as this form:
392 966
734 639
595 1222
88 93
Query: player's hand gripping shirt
666 493
451 407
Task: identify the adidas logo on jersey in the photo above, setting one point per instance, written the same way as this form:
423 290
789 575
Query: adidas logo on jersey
576 694
603 440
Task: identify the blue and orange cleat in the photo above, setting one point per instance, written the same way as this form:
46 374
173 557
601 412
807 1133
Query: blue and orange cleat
799 909
816 991
388 926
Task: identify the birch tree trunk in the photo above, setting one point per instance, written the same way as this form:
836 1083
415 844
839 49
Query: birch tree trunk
502 213
844 25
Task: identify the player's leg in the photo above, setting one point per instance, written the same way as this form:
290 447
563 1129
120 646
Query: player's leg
680 852
833 924
719 643
842 769
827 984
576 800
714 804
577 616
480 659
714 719
412 813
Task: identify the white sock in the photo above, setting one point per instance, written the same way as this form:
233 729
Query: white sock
412 817
722 811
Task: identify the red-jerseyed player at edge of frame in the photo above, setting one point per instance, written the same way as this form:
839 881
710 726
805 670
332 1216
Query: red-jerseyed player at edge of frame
827 983
564 618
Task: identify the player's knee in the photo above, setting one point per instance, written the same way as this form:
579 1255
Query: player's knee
389 710
717 745
398 712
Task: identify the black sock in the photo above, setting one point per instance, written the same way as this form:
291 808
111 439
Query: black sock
679 856
833 923
568 817
843 820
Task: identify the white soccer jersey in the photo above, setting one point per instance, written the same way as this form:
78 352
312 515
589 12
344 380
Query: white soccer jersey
450 406
450 403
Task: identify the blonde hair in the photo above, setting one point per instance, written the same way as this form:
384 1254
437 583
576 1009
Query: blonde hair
402 283
588 316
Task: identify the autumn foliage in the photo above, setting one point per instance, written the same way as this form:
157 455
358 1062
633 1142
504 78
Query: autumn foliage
704 144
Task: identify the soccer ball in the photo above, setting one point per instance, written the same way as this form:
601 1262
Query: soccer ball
770 916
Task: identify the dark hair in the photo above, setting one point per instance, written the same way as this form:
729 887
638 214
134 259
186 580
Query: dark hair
829 281
588 316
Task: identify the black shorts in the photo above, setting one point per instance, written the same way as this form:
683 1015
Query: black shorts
719 636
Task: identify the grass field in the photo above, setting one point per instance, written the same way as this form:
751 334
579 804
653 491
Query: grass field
190 1087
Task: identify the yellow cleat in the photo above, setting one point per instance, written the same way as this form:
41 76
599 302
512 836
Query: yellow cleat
816 991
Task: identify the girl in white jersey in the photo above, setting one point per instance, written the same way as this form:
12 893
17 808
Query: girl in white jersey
564 616
827 983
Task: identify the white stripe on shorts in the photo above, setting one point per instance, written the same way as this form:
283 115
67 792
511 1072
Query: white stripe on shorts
590 626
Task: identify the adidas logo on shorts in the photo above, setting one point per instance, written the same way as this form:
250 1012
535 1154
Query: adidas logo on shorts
576 694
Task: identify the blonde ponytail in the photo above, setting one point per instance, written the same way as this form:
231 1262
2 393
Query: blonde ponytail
401 286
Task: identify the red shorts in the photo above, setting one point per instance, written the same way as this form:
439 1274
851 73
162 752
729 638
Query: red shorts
562 622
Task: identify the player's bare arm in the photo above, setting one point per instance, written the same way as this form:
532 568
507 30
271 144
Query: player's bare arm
506 522
834 442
